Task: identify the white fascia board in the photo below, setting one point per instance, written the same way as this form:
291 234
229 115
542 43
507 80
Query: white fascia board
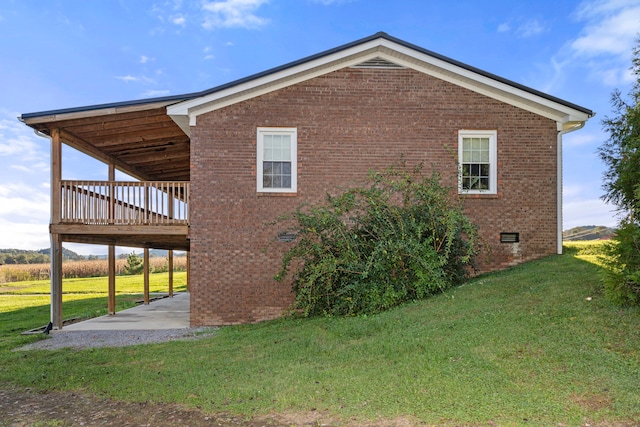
226 98
274 81
390 51
481 84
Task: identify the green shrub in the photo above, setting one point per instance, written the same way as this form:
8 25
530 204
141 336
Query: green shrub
622 273
403 238
134 264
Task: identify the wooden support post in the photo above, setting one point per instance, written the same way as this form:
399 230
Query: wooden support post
56 281
111 309
146 275
188 269
56 176
111 305
170 273
171 202
56 241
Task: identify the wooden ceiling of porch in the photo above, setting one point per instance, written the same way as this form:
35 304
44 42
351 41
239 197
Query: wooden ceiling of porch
140 140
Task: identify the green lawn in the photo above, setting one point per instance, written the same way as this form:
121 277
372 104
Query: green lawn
25 305
534 345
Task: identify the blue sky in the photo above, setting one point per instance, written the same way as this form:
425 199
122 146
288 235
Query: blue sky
68 53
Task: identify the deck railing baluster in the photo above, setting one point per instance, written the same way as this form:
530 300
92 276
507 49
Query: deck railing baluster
124 202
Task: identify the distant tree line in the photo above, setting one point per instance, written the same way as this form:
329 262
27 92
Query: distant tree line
18 256
22 256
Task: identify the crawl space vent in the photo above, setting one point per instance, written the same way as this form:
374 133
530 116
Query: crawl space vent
377 63
509 237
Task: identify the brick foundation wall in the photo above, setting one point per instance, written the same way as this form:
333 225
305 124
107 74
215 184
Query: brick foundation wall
349 122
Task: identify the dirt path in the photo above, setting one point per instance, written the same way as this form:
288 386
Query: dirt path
22 408
27 408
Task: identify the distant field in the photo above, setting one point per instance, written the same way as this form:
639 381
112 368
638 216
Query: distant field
80 269
82 297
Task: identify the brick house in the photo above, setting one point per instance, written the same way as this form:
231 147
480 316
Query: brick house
231 159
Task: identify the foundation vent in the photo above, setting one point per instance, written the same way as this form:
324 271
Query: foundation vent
509 237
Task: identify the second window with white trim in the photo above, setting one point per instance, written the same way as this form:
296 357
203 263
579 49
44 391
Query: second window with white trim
277 160
477 151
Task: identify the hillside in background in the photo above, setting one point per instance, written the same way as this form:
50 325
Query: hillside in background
588 232
22 256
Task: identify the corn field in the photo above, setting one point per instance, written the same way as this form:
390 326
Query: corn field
80 269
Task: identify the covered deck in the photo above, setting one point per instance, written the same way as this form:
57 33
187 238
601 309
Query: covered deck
150 210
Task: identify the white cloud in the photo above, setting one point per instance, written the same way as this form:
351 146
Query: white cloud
530 28
24 215
233 14
504 28
207 53
19 143
330 2
142 79
606 42
588 212
127 78
525 29
583 139
24 235
611 28
155 93
24 202
179 20
144 59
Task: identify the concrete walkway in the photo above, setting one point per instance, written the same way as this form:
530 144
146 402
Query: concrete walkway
165 313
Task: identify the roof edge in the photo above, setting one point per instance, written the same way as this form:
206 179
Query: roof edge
379 35
385 36
487 74
96 107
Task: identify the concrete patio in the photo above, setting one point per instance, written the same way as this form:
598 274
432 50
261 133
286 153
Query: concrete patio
165 313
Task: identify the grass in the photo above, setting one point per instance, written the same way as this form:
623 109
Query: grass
25 305
536 344
158 282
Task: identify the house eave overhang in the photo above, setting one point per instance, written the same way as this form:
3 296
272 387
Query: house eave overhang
50 116
137 137
388 48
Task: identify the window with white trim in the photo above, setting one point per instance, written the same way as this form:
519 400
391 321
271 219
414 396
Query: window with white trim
277 160
477 151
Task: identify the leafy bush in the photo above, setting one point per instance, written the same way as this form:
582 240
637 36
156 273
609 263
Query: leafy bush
622 275
403 238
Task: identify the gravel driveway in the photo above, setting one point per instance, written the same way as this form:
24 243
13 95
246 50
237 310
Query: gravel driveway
115 338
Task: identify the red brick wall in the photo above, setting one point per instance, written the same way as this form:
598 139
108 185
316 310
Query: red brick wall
348 122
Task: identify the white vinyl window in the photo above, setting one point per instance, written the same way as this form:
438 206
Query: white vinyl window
477 151
277 160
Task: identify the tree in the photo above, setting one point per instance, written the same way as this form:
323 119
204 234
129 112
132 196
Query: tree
134 264
621 154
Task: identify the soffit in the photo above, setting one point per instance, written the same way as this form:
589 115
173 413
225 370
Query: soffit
141 140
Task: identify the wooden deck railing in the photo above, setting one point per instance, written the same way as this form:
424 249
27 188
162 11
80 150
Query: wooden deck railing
124 203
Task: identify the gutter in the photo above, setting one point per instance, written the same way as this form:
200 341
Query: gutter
562 130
